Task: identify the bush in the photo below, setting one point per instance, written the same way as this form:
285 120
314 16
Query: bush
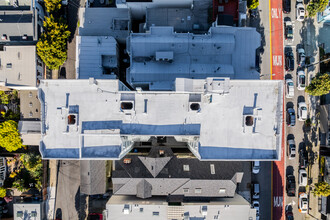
4 98
253 4
53 5
322 189
316 6
52 45
320 85
9 136
3 192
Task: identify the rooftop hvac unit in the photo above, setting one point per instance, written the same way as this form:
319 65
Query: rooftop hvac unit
166 56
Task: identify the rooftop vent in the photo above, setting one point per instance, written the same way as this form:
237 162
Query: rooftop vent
126 105
249 120
71 119
9 65
212 169
19 214
195 106
4 37
204 210
126 209
24 37
155 213
166 56
222 190
127 161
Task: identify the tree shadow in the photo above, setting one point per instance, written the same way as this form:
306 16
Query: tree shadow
72 17
80 204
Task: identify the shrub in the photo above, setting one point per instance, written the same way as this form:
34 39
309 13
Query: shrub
53 5
253 4
320 85
3 192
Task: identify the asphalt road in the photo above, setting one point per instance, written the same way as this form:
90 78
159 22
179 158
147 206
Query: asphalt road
297 130
264 180
69 203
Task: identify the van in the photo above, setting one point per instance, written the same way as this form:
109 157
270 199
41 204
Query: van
256 191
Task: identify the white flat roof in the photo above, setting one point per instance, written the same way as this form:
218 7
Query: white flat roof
216 131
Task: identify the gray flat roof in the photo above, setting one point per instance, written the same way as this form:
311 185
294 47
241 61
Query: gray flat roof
18 66
115 22
16 24
217 118
223 52
181 19
94 54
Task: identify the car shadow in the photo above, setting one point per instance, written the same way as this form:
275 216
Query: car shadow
289 105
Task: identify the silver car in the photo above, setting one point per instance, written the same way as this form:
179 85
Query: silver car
301 80
289 88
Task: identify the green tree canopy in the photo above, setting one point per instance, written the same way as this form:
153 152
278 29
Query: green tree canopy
322 189
53 5
9 136
3 192
253 4
52 46
315 6
320 85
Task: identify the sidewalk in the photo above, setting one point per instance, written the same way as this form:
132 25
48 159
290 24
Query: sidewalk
311 31
51 190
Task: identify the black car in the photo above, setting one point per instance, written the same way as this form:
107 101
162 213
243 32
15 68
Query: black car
289 61
303 158
290 117
291 185
288 212
286 6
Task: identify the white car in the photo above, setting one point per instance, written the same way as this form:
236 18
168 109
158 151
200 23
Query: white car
291 149
289 88
256 167
303 202
302 180
256 206
300 14
302 111
301 80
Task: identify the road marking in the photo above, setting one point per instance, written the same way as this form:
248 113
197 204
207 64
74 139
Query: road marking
277 60
276 13
278 201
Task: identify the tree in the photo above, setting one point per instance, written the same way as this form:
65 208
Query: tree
316 6
3 192
253 4
9 136
4 98
52 46
320 85
53 5
322 189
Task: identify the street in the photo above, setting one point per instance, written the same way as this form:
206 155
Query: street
264 179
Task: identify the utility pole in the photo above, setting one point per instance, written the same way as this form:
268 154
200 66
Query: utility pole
317 62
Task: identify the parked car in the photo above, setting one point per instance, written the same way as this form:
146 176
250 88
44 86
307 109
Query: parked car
289 88
288 212
301 57
291 148
95 216
303 158
256 206
302 181
290 117
289 61
291 185
288 31
286 6
256 167
303 202
302 111
300 14
256 191
301 80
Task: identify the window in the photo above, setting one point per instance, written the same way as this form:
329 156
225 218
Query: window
198 190
222 190
30 104
31 114
141 209
155 213
186 168
186 190
9 65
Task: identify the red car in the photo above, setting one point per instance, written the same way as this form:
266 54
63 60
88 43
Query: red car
95 216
